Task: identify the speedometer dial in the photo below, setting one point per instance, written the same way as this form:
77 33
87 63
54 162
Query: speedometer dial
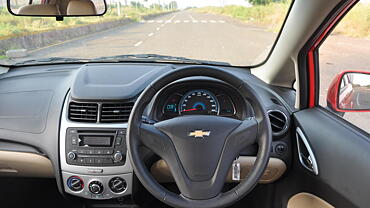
200 102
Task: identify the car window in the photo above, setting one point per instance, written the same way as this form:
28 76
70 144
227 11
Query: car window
346 50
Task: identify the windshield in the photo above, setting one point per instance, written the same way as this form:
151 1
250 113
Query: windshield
223 32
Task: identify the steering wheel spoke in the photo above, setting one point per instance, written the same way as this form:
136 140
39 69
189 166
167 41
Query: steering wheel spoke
156 140
244 135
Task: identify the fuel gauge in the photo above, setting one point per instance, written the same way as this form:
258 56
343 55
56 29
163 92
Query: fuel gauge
171 107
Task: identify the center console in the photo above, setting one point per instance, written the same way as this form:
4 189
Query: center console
93 158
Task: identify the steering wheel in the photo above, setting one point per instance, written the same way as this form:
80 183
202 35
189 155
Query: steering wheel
199 149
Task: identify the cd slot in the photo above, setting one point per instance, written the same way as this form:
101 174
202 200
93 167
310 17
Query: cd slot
89 131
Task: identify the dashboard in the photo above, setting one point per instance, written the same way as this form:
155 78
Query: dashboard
73 118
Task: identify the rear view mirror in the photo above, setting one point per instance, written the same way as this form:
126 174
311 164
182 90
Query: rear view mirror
350 92
57 8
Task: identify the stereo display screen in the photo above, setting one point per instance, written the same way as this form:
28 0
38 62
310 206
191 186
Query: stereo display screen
96 141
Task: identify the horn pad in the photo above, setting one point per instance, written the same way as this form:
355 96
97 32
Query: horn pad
199 141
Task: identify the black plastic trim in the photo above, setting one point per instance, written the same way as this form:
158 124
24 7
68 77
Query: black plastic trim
302 56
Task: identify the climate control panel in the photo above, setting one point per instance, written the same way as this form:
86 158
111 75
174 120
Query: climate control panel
97 187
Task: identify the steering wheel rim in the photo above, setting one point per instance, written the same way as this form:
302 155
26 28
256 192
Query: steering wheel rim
192 197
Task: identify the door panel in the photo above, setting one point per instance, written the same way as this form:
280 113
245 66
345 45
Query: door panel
307 200
342 154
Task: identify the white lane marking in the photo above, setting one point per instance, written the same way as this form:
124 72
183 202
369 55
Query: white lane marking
158 28
186 21
221 21
162 25
204 21
195 21
212 21
177 21
170 20
150 21
256 29
151 34
138 43
142 21
159 21
191 17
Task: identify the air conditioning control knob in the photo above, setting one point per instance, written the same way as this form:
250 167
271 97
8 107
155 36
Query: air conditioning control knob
75 183
96 187
118 157
117 184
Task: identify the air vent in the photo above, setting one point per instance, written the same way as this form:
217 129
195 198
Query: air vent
83 112
279 122
115 112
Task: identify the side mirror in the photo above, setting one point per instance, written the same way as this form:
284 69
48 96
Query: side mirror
350 92
57 8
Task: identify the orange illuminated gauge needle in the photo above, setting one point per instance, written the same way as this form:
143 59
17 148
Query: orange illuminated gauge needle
191 109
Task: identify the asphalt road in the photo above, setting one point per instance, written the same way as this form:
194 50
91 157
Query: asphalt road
187 34
215 38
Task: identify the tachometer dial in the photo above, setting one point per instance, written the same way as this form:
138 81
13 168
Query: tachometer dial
200 102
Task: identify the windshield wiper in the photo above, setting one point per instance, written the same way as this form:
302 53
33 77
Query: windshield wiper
155 58
52 60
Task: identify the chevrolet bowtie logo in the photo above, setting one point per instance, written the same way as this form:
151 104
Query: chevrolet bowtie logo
199 133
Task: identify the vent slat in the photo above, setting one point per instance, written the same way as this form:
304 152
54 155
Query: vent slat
83 112
115 112
117 107
277 118
78 114
82 106
110 115
84 119
278 122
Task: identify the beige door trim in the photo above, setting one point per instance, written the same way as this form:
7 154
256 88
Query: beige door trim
307 200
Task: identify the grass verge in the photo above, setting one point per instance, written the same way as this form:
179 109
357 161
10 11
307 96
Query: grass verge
12 26
355 24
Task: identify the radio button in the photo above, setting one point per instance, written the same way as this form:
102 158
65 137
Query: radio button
99 160
80 160
108 151
121 131
81 151
89 160
72 131
98 152
107 161
74 140
90 152
118 141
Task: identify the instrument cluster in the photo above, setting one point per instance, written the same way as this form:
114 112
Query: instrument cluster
199 99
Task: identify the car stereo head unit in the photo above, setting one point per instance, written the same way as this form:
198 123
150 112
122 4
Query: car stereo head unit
95 147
